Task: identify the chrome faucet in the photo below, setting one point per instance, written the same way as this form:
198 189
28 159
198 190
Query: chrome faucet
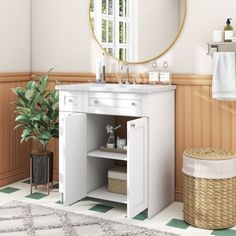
127 73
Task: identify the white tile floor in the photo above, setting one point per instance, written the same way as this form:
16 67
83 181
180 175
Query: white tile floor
117 213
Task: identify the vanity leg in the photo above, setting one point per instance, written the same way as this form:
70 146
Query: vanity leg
31 175
48 184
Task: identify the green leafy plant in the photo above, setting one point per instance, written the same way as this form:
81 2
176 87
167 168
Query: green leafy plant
37 110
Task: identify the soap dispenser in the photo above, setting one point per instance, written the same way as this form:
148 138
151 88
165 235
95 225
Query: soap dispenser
165 74
98 70
103 68
153 74
228 31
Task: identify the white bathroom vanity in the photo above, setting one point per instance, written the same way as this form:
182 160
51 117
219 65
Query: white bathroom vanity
85 110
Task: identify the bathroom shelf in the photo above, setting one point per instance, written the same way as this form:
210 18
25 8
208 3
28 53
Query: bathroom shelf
108 155
102 193
114 150
221 47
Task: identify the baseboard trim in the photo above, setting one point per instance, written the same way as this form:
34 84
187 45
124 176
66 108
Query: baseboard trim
179 194
14 177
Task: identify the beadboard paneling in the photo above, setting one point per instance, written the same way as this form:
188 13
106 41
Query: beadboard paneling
200 122
54 144
14 156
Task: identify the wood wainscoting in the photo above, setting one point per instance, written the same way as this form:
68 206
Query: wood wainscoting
14 156
200 122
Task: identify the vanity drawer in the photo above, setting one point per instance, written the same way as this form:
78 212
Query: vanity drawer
71 101
115 104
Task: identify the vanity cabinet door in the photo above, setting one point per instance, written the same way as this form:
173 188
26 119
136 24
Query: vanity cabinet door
137 166
73 158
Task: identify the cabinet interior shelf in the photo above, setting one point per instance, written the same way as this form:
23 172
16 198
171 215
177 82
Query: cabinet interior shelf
108 155
102 193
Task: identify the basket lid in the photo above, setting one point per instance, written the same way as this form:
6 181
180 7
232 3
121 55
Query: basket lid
118 172
209 163
209 154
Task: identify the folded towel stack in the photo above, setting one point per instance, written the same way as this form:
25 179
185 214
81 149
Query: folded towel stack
224 76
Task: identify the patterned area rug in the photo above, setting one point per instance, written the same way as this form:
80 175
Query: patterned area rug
18 219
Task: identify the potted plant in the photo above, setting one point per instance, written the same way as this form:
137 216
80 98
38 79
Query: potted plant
37 110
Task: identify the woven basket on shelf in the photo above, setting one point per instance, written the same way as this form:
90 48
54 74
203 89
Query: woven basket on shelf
209 188
117 180
117 186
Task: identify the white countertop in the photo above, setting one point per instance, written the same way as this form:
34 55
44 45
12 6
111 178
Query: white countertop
116 88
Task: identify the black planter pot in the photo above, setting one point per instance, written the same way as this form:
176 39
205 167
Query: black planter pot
41 169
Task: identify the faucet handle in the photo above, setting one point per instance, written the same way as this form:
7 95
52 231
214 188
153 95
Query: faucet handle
134 78
119 78
127 72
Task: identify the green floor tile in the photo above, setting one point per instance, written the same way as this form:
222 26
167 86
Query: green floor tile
141 216
36 195
101 208
181 224
26 181
59 202
9 190
224 232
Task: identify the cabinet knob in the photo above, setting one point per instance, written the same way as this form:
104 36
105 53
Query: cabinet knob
96 102
133 125
70 100
133 104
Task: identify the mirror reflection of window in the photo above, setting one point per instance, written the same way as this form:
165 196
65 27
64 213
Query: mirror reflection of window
92 14
111 21
137 31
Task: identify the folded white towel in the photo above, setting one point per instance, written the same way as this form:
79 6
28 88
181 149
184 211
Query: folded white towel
224 76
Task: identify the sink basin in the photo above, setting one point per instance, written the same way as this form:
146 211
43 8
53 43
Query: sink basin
118 85
125 86
116 88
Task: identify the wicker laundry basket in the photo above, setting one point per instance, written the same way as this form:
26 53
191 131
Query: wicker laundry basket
209 188
117 180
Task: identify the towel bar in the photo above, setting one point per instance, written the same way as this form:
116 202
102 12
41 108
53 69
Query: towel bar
221 47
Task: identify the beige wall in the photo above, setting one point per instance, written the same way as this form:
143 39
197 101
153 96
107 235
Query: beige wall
15 35
157 24
189 53
62 38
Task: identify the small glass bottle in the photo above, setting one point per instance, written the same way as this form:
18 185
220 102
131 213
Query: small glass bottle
121 74
154 74
111 140
165 74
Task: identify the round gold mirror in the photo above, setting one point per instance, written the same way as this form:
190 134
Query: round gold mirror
136 31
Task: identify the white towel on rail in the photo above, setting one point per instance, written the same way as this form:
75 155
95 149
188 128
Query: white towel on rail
224 76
